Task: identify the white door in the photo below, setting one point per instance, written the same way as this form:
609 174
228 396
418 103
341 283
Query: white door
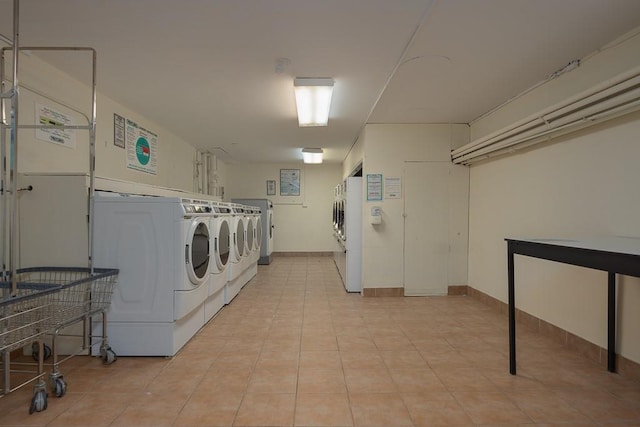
426 228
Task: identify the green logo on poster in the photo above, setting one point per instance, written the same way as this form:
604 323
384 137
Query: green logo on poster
143 152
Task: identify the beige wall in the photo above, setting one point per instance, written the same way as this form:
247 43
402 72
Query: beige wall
302 224
175 156
386 148
585 183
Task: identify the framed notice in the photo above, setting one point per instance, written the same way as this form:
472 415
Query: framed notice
118 131
289 182
271 187
374 186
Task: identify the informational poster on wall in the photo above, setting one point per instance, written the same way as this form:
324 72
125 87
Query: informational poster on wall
142 148
49 116
289 182
374 186
392 188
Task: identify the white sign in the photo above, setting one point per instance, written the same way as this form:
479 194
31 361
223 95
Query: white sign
142 148
393 188
47 116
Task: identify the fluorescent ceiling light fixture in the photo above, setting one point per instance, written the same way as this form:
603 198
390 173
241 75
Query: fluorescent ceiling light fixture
313 100
312 155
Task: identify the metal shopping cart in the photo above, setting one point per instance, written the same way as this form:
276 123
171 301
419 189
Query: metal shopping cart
81 296
26 313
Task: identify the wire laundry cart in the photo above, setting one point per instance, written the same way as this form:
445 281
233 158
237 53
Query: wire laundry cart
26 313
81 296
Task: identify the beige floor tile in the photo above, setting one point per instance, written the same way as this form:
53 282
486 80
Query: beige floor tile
319 342
361 360
323 410
356 343
233 360
92 409
313 380
393 343
228 380
379 410
266 410
209 409
546 407
175 382
280 380
601 406
295 348
278 359
416 380
403 359
320 359
435 409
152 410
491 408
369 381
464 379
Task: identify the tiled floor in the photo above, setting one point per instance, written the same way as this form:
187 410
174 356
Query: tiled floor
293 349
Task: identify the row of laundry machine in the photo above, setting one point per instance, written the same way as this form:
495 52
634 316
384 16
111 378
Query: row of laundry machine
180 260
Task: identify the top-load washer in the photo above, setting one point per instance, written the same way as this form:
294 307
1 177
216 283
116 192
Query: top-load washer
266 217
162 247
221 256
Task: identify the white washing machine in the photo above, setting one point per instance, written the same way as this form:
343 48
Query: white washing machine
221 255
257 241
162 247
266 216
237 250
248 272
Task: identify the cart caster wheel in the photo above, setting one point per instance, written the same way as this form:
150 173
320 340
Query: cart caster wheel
39 402
35 351
60 387
108 356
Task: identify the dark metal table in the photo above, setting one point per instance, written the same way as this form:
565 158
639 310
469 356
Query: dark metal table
615 255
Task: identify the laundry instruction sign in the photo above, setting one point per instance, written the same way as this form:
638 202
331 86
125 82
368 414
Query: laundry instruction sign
50 123
142 148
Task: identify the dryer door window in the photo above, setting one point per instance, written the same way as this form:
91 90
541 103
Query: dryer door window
198 252
258 232
250 235
240 238
223 244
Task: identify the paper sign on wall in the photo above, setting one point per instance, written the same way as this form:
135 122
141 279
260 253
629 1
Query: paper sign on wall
393 188
49 116
374 186
142 148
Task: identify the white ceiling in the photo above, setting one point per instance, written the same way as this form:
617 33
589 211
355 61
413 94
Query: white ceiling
206 69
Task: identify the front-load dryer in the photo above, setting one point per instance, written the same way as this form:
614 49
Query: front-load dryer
248 272
257 241
237 250
162 247
266 217
221 255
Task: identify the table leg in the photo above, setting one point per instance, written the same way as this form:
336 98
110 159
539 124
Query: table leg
512 311
611 323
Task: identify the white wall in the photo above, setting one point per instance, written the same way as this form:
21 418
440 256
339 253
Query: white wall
302 224
175 156
386 148
585 183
